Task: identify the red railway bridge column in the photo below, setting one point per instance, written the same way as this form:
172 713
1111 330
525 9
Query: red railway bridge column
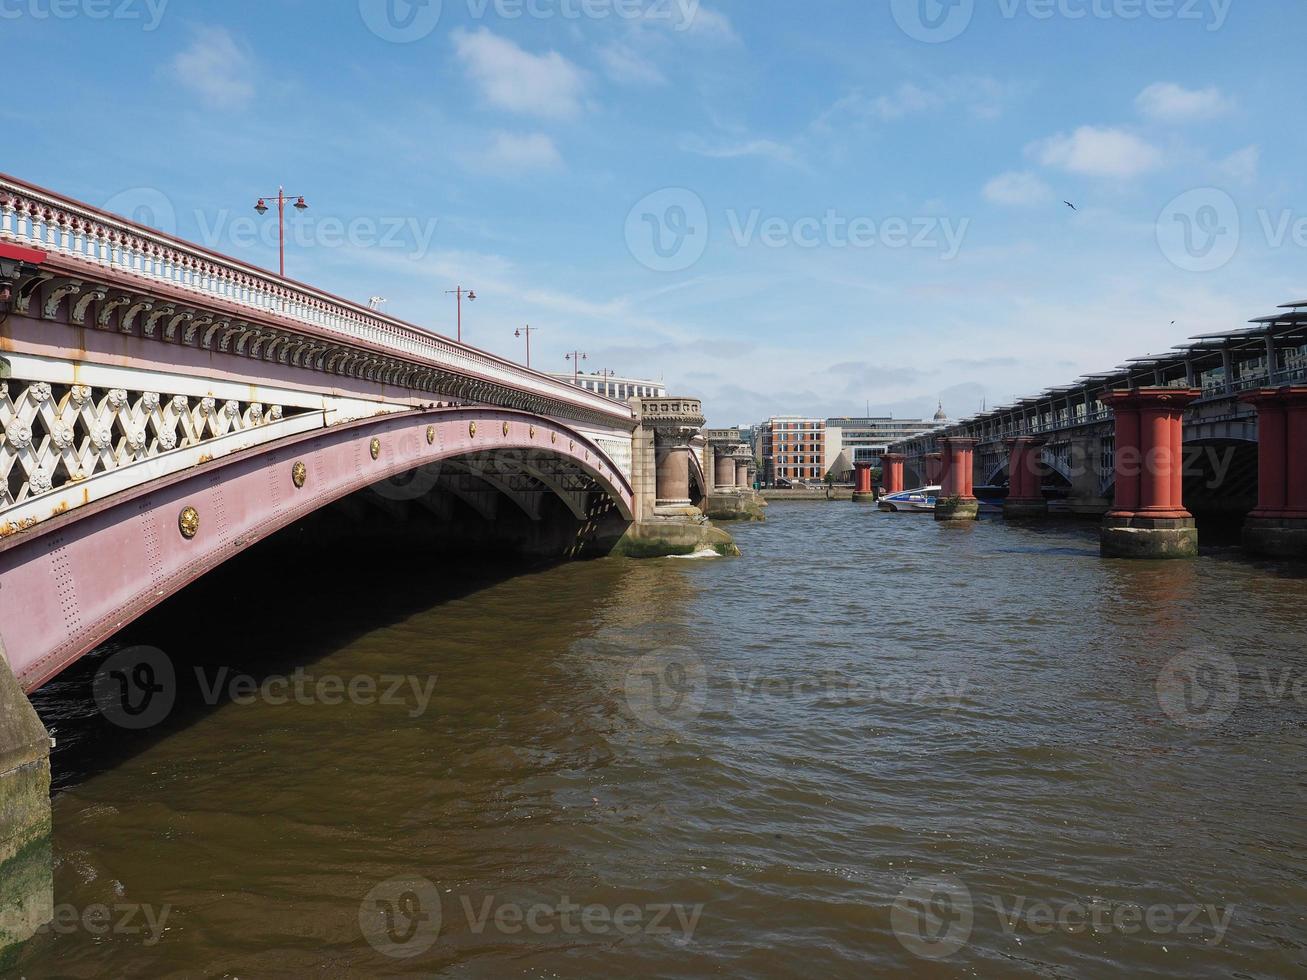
864 492
1025 497
934 468
956 501
891 466
1278 526
1148 518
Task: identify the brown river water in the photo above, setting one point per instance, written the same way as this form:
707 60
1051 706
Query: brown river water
872 746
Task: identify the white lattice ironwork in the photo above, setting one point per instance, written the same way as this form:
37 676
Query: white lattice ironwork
55 434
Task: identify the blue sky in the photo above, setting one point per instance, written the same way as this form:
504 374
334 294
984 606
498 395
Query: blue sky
780 206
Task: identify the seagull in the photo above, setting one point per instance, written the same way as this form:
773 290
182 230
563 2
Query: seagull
1071 206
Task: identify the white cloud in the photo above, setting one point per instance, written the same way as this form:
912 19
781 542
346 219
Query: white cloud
1242 165
770 149
982 96
1168 102
1017 188
1097 152
514 153
216 68
691 18
628 67
511 78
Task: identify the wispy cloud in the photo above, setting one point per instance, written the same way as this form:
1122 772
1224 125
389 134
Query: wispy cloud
216 68
981 96
1097 152
767 148
516 153
511 78
1243 164
626 66
1018 189
1171 103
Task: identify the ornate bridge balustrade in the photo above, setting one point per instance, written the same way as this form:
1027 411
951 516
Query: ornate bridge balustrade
128 355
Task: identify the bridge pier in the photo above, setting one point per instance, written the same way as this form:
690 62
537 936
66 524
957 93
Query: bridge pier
864 492
934 468
723 468
891 475
1025 498
742 469
666 521
1086 498
1278 526
1148 518
956 500
26 885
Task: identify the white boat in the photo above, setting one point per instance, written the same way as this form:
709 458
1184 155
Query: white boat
921 499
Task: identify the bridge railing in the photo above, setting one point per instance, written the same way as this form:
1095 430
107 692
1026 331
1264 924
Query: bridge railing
38 218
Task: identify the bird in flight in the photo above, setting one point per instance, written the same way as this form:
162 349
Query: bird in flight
1071 206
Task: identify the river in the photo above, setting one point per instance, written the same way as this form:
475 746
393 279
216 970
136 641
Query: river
872 746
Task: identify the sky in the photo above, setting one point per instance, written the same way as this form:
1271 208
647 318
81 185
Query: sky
817 208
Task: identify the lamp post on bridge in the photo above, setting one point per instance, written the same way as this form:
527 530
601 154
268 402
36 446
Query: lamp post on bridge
282 198
459 291
526 332
576 357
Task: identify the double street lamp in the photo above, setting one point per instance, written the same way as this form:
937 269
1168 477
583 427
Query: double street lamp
526 332
576 357
460 292
282 198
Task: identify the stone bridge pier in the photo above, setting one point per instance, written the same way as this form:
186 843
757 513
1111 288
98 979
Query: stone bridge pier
1278 526
732 497
864 491
891 472
671 486
957 500
1148 518
1025 496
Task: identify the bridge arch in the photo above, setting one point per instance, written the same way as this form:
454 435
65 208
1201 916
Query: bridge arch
76 579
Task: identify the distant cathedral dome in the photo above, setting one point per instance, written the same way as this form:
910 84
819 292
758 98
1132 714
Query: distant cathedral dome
941 415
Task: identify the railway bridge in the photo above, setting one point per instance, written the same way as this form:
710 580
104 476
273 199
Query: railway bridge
1216 427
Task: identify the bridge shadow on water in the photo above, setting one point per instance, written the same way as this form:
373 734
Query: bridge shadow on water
282 605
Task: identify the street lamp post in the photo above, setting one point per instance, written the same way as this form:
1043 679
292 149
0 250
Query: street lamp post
526 332
282 198
576 357
460 292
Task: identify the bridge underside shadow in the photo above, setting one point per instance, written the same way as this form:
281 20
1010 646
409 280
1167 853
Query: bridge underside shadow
1220 480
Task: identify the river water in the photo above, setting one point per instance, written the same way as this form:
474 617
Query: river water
872 746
